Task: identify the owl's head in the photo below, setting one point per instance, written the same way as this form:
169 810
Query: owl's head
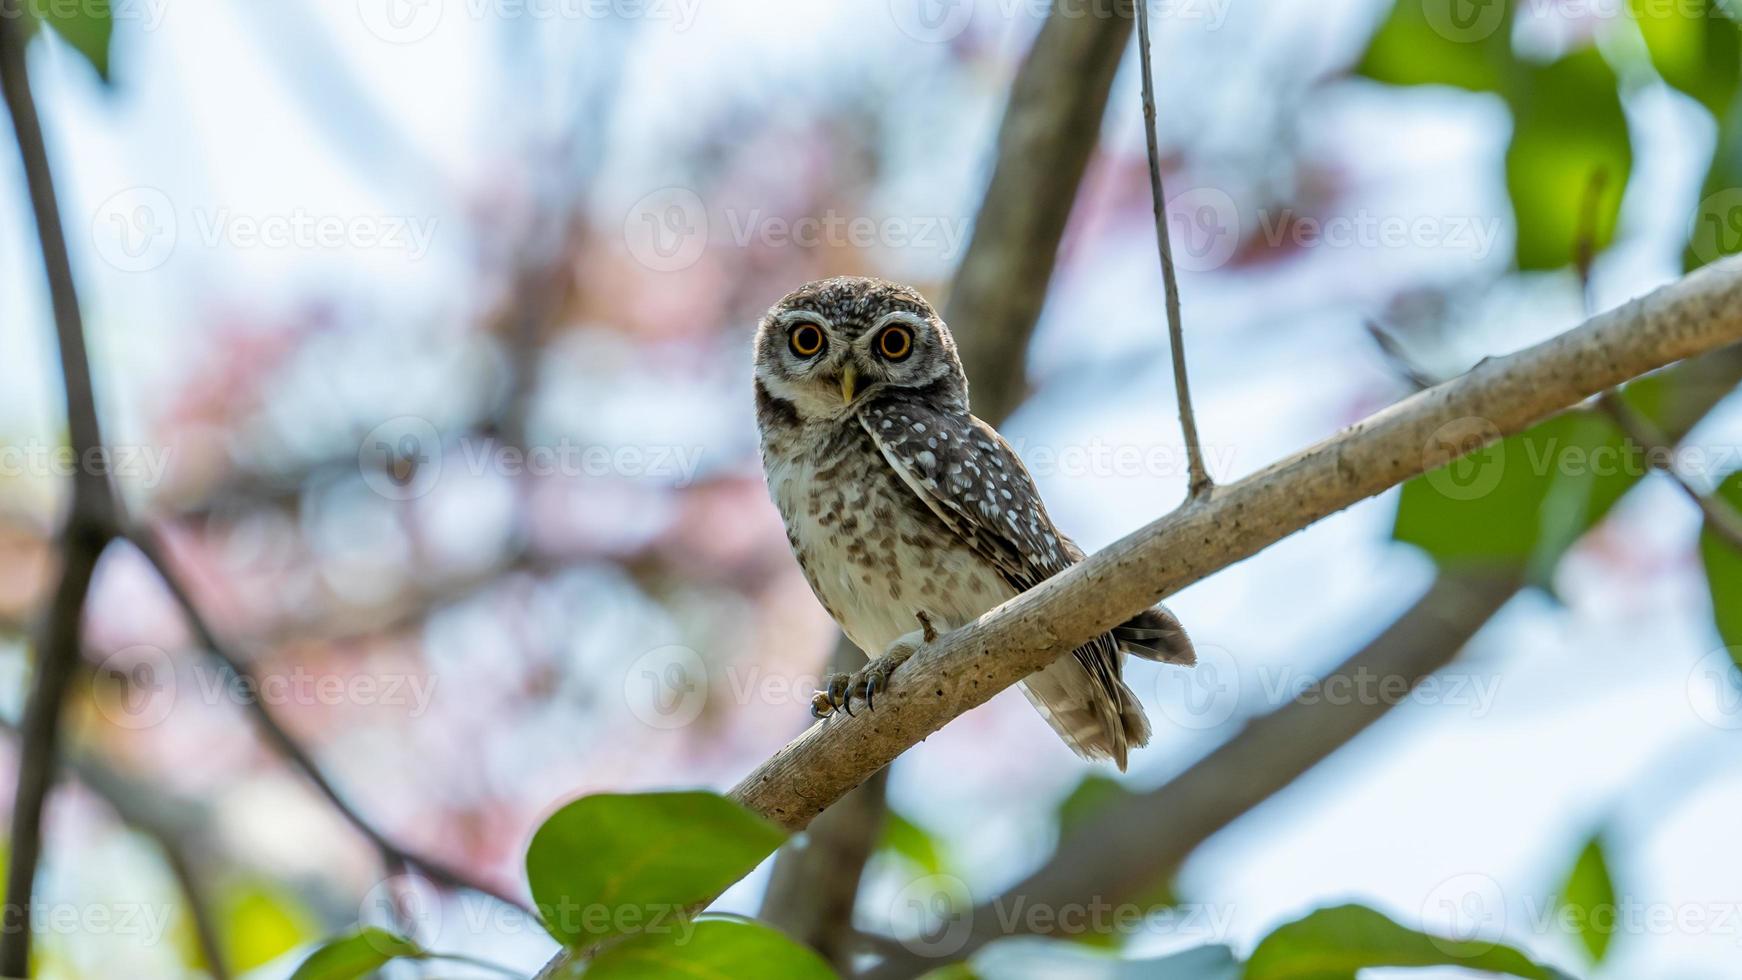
832 345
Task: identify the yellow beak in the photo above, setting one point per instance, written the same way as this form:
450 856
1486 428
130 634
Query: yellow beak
849 382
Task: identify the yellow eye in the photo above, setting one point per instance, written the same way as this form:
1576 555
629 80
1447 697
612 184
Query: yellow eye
895 343
807 340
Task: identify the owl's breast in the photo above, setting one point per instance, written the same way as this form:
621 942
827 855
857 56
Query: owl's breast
871 550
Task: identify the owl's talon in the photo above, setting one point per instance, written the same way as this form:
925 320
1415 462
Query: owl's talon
839 692
821 706
874 683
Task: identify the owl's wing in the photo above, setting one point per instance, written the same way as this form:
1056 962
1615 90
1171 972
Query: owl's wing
975 483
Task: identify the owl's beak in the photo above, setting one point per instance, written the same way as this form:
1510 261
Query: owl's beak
849 383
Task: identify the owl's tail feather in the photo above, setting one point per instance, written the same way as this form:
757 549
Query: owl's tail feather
1156 634
1097 716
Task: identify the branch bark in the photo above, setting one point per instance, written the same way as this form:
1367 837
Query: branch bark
966 667
1136 843
1124 850
90 522
1049 131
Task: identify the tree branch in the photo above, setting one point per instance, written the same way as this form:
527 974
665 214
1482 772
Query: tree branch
1105 860
1721 518
1200 482
1123 851
90 520
1049 131
966 667
239 671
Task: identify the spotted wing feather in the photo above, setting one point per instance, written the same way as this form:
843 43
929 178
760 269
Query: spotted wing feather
975 483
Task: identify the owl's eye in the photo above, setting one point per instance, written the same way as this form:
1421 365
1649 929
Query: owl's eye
895 343
807 340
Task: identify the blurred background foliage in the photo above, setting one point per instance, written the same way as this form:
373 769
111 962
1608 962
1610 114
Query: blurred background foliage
352 270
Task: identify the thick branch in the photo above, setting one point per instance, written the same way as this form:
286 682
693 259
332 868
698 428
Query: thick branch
968 666
1124 850
1050 130
90 520
1104 860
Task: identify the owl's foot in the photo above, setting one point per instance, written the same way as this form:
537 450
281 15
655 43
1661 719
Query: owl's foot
872 679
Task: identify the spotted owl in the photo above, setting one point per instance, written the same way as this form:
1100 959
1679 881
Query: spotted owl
909 516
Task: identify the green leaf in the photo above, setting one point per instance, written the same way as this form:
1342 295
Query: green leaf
903 837
260 923
1520 502
356 954
87 25
1335 943
1588 899
612 864
1568 128
717 949
1724 572
1694 46
1466 43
